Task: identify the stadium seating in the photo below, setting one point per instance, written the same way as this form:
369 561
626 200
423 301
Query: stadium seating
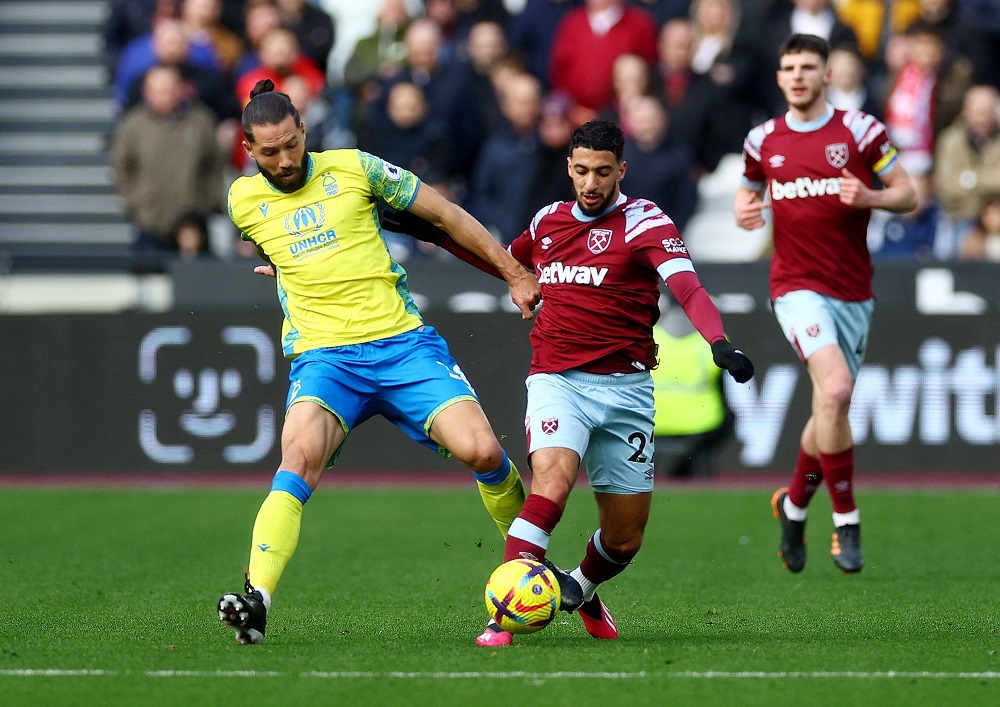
58 206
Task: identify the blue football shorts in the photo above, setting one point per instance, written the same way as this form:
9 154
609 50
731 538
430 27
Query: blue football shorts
606 419
811 321
408 379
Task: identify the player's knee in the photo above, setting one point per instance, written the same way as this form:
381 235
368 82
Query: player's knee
551 485
308 465
835 397
480 455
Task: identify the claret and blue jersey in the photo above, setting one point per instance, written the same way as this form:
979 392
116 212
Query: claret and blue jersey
611 263
820 244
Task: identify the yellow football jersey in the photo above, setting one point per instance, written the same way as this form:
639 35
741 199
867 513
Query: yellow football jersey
336 282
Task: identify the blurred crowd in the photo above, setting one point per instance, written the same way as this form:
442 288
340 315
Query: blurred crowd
479 98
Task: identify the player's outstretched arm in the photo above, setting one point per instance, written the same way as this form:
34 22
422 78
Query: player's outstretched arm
747 207
413 225
704 315
467 232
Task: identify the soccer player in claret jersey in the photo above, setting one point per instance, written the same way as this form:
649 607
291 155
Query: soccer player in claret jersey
358 343
599 262
817 164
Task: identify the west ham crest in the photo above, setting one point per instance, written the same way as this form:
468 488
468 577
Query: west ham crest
599 240
836 154
550 425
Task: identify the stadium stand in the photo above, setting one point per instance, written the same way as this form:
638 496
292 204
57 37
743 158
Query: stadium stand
58 206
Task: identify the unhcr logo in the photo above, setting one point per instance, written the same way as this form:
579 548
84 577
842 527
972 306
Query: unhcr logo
305 220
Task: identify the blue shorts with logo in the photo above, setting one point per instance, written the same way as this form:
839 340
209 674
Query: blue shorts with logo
408 379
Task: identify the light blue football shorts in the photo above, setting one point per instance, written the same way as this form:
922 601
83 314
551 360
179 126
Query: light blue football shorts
606 419
811 321
408 379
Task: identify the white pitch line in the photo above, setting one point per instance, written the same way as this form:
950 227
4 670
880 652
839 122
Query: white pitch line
823 674
212 674
476 674
52 672
323 675
513 674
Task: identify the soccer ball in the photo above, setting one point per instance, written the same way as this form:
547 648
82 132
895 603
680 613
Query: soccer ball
522 596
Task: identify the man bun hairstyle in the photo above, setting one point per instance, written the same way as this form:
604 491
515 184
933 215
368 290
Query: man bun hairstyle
267 107
599 135
798 43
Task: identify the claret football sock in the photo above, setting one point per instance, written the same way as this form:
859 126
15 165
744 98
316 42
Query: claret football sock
531 530
806 479
276 530
599 564
503 493
838 470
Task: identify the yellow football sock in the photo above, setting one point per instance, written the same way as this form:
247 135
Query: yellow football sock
275 536
503 500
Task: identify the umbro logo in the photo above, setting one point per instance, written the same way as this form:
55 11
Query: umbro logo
776 160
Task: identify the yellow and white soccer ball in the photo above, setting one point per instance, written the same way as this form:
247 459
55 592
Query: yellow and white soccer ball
522 596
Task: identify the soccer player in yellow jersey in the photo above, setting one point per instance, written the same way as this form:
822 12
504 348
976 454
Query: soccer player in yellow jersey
358 343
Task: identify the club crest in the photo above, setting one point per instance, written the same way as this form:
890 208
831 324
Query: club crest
550 425
599 240
836 154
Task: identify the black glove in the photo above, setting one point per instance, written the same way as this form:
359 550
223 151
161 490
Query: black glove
729 357
405 222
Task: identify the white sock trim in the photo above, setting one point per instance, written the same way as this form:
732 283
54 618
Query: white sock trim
529 532
588 587
850 518
267 597
792 511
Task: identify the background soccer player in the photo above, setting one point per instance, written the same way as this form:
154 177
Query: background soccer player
817 164
599 261
358 343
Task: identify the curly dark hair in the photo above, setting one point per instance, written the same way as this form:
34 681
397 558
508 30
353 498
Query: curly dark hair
599 135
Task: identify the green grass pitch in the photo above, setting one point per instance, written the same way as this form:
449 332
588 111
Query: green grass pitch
108 599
